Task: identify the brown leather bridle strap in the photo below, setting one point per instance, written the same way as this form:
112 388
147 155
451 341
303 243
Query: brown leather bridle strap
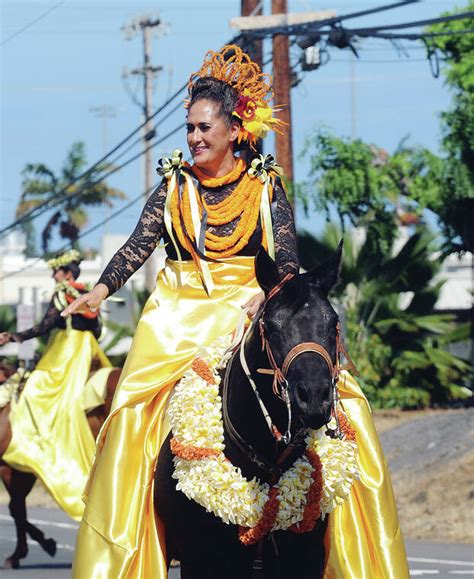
278 287
308 347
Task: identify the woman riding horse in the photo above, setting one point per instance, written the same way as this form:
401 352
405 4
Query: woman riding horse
213 216
51 436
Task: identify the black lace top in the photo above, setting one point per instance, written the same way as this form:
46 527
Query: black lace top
150 229
52 319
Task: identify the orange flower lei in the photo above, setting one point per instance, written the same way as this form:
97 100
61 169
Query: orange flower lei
243 204
249 536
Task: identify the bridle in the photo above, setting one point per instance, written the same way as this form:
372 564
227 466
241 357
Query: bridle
280 381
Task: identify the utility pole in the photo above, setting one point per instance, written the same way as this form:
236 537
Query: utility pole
147 25
254 49
282 92
282 77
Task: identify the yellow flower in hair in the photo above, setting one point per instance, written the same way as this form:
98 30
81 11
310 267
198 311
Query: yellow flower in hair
257 118
64 259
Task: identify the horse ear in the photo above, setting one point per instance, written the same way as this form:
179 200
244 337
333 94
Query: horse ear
266 270
327 274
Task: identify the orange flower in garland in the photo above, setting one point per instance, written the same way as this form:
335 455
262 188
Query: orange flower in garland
346 429
312 487
264 526
312 510
203 370
191 452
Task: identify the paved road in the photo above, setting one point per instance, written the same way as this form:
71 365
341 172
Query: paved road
426 559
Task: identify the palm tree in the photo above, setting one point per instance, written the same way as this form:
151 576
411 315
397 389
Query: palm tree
40 183
395 336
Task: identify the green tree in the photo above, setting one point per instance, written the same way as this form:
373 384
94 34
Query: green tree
394 335
457 65
454 200
351 177
40 183
367 187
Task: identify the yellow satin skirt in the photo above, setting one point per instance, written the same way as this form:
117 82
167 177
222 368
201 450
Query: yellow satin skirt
50 433
120 536
364 539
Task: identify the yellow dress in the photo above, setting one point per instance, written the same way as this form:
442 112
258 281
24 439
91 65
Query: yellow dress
50 433
120 536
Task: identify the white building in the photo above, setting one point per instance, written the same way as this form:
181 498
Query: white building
29 280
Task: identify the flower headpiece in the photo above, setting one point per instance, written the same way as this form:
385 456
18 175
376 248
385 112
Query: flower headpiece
234 67
64 259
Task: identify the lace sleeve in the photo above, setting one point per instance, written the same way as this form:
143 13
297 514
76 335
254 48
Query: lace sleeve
51 320
140 245
286 255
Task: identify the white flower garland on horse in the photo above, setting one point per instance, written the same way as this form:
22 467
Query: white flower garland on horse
315 484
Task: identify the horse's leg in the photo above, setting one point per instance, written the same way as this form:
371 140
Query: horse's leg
17 507
18 485
48 545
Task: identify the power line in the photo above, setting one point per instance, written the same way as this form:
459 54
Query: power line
137 141
30 24
419 36
333 24
112 215
59 197
439 20
115 169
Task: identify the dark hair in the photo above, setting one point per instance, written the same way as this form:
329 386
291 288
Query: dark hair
72 267
221 93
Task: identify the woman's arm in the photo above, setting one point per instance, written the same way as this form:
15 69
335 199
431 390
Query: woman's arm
286 253
51 320
130 257
140 245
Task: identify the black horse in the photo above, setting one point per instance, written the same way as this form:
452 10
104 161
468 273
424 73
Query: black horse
295 312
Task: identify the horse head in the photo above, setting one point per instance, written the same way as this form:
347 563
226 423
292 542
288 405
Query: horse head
300 328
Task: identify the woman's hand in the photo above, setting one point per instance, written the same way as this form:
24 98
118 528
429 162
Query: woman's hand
5 337
254 303
89 301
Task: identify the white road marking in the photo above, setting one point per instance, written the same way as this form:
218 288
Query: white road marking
415 572
465 572
46 523
441 561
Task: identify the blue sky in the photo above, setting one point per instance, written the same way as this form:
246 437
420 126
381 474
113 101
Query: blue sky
72 61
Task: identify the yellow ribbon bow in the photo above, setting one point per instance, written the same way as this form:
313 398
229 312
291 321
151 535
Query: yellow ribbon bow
167 166
261 166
